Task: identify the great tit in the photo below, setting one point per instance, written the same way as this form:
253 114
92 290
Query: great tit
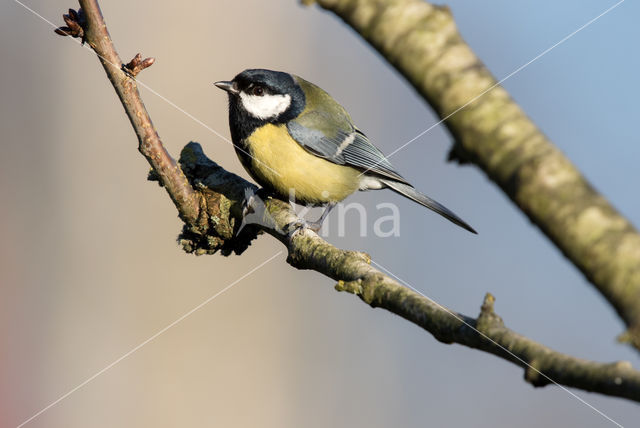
294 139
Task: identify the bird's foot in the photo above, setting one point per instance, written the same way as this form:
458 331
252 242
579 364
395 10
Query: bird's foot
299 226
254 210
248 203
314 226
248 207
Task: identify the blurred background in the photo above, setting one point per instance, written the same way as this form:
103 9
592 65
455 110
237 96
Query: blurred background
85 277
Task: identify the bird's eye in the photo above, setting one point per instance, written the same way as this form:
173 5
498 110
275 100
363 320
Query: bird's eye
257 90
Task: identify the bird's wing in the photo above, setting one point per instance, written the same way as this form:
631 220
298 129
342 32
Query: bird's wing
330 134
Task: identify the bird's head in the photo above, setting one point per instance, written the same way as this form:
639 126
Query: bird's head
264 95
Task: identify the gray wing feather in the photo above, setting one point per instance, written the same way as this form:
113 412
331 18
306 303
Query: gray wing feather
317 142
347 147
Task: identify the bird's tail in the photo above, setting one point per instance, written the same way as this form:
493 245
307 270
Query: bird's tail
411 193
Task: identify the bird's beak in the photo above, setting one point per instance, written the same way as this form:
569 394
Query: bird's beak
230 87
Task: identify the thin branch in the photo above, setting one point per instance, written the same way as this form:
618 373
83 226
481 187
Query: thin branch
170 176
209 200
422 42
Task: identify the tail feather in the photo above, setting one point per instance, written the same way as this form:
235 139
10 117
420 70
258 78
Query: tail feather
411 193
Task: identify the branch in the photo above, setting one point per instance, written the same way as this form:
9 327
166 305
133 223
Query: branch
209 200
90 19
355 275
421 41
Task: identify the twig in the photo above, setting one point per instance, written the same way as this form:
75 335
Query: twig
89 24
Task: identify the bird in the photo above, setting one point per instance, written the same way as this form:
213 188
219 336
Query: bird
294 139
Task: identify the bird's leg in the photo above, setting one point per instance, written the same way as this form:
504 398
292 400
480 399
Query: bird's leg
316 225
301 223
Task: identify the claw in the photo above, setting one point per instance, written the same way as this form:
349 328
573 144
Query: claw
254 211
314 226
296 227
247 205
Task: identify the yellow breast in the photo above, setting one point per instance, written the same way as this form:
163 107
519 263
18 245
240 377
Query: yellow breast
280 163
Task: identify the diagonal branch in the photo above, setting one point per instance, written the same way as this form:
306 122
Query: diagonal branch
209 201
96 34
422 42
355 274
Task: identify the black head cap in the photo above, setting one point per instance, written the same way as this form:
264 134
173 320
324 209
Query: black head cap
259 81
276 82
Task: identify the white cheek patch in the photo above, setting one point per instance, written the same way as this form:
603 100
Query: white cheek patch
265 106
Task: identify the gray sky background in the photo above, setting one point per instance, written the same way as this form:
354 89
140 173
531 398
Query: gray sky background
89 266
